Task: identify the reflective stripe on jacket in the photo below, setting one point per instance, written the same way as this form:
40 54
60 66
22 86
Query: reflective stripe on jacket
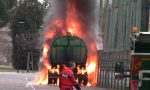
67 79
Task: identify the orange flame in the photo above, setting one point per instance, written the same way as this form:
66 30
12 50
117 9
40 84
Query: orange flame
50 34
88 84
73 25
42 77
91 67
45 50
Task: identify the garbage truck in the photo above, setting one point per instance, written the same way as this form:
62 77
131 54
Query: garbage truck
64 49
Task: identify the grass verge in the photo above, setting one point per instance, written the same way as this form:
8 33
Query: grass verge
5 68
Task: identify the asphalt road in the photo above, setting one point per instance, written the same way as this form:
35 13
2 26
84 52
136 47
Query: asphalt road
22 81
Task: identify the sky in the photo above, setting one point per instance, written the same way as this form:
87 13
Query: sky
40 1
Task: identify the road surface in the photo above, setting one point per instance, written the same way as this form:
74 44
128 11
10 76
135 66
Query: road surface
22 81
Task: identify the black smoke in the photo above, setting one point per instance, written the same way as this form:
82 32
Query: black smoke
85 11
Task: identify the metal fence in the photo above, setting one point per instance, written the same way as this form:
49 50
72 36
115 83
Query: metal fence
106 77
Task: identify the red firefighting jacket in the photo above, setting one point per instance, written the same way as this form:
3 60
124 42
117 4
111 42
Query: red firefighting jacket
67 79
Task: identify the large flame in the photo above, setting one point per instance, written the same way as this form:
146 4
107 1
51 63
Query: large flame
42 77
73 25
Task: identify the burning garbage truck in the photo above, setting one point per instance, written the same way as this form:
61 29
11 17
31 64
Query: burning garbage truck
65 49
69 36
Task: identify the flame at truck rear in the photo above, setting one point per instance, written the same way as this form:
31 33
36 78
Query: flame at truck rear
74 24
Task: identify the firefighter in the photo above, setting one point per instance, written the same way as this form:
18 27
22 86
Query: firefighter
67 79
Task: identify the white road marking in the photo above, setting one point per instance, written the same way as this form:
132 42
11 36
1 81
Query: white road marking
29 84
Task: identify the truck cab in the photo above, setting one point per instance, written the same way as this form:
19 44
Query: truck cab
140 62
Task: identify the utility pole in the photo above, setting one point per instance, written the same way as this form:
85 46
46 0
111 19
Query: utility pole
28 58
32 59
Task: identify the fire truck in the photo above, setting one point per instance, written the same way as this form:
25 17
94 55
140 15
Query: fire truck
140 62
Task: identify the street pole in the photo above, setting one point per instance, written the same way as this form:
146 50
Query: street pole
32 59
28 58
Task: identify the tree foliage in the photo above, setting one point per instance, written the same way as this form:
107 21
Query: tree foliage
25 32
7 10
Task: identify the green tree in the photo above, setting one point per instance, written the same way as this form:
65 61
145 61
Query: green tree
7 11
25 32
46 5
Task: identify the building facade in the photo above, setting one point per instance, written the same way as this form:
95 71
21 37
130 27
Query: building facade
117 17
